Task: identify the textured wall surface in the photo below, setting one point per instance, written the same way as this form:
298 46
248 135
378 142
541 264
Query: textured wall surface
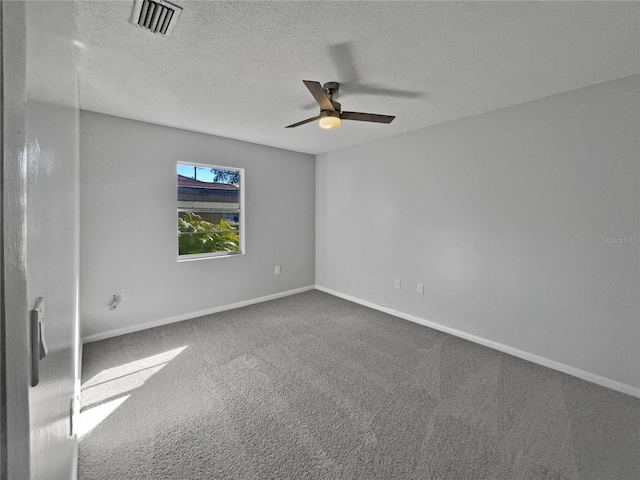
522 224
129 231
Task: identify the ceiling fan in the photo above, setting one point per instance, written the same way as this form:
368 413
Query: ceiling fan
331 114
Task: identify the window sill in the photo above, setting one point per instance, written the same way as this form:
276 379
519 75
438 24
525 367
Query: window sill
208 256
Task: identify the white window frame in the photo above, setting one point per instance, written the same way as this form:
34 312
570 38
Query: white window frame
241 209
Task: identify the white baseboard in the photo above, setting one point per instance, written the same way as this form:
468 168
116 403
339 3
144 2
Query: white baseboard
545 362
178 318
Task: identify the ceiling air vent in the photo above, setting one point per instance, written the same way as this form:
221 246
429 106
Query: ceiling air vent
157 16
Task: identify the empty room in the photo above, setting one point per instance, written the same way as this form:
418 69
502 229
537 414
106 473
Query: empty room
324 240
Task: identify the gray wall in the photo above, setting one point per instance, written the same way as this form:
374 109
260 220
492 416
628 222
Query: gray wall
128 223
53 230
504 218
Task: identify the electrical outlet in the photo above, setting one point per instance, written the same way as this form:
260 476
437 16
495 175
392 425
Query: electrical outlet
397 284
420 288
277 269
125 294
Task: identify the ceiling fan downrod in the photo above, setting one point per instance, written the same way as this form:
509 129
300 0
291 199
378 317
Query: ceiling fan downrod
331 89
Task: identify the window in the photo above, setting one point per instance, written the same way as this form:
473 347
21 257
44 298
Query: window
210 211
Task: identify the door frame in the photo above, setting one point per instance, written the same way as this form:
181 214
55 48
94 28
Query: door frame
14 331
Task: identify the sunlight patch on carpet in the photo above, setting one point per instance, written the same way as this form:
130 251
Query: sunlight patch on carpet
104 393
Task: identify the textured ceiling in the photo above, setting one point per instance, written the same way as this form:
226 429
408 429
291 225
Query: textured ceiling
235 69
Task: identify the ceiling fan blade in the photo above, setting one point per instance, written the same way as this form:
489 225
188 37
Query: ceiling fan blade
367 117
342 55
303 122
319 94
372 89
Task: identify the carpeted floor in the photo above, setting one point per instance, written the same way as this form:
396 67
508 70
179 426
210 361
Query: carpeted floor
313 386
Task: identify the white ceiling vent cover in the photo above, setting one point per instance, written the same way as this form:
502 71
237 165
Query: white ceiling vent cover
158 16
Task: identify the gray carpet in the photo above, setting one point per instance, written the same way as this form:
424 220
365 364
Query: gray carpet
312 386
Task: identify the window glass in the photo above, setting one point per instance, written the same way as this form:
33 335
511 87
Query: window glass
210 210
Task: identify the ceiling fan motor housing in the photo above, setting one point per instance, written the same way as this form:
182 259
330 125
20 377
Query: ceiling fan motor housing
329 113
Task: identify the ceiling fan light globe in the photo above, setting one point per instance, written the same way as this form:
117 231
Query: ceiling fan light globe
329 122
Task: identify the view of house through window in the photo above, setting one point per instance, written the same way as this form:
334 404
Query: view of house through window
210 210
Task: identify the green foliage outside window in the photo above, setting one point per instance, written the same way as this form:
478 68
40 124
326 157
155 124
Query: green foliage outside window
226 176
199 236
